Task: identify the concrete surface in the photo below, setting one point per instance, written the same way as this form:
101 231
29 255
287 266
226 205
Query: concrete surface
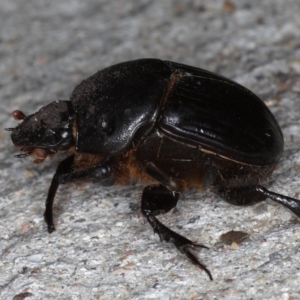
103 248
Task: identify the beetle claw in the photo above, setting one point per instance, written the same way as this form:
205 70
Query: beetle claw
198 246
181 243
185 249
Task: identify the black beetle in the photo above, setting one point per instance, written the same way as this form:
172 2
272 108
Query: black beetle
168 125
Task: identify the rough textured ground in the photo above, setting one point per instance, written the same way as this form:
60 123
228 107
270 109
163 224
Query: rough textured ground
103 248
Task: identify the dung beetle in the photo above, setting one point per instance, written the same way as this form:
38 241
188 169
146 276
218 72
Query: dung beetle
168 125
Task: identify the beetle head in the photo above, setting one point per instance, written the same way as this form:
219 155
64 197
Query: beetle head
46 131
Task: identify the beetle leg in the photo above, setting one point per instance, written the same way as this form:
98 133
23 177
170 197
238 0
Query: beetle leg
155 172
65 174
247 195
63 167
157 199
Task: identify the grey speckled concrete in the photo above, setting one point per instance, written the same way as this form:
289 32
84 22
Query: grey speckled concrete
103 248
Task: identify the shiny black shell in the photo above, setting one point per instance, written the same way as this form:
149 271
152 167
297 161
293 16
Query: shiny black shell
120 106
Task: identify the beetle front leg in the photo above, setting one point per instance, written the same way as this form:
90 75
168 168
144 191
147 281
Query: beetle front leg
157 199
65 174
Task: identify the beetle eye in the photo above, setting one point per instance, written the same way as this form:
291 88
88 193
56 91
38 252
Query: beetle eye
58 133
60 139
66 139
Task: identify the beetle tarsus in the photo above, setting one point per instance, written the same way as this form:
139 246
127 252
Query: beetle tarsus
157 199
185 249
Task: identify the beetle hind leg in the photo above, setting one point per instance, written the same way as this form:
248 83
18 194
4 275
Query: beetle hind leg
157 199
247 195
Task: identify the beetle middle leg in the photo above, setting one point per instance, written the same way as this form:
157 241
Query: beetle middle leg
65 174
157 199
247 195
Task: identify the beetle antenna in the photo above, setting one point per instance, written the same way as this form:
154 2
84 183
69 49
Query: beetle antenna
22 155
18 115
26 152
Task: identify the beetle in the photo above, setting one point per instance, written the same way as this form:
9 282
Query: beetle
169 125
